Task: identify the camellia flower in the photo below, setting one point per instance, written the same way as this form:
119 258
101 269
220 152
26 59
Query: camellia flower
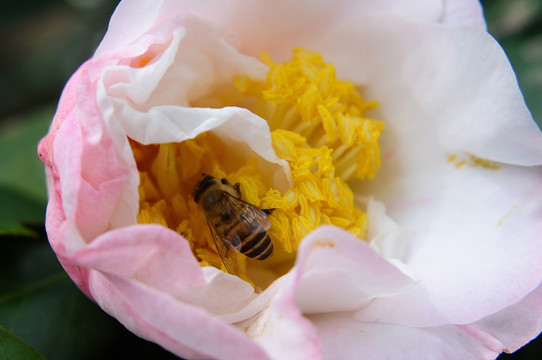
389 137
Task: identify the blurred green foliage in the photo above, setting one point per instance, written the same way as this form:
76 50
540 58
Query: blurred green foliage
517 25
43 42
42 313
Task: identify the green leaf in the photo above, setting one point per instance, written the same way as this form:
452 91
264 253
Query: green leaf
20 167
13 348
40 304
21 210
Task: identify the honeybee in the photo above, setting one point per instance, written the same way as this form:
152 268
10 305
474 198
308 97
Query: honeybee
235 225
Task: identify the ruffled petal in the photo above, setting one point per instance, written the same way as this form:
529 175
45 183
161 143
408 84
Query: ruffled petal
85 175
161 259
150 102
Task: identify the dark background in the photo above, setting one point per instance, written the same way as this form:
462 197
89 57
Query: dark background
43 42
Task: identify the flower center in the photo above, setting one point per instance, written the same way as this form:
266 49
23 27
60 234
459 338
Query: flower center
317 125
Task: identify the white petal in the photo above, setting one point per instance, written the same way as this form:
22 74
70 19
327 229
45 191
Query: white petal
384 234
464 12
276 26
145 101
130 20
325 255
347 339
516 325
469 230
281 329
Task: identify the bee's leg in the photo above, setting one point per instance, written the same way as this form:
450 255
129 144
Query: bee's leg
237 187
268 211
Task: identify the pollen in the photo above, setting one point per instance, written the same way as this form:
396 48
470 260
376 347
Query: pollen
460 160
318 125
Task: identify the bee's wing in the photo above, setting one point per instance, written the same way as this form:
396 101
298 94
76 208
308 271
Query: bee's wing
252 216
228 254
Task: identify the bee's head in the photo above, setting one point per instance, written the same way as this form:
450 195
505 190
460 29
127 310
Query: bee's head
202 185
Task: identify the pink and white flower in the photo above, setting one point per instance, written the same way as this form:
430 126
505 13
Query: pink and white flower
453 260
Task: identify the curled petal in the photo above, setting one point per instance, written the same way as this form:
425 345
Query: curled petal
151 107
328 254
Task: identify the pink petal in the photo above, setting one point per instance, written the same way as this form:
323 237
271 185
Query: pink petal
85 172
325 255
330 253
161 259
87 183
186 330
445 100
151 254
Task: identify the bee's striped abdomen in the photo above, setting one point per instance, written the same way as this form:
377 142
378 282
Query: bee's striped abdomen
257 245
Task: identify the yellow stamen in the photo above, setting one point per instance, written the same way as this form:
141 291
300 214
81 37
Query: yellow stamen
317 124
329 111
